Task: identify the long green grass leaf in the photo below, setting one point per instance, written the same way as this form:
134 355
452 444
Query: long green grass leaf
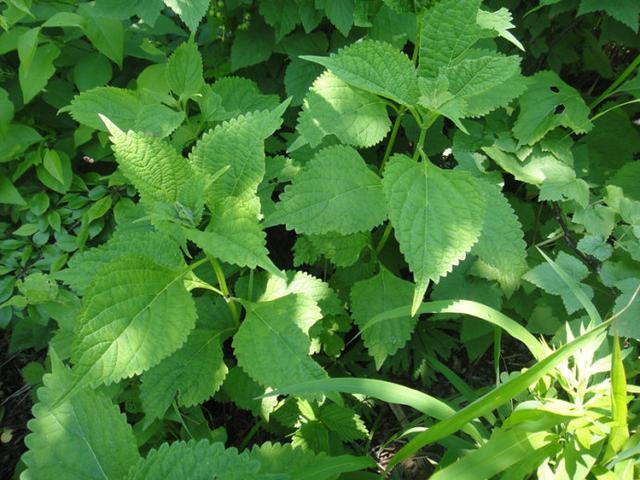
498 396
619 430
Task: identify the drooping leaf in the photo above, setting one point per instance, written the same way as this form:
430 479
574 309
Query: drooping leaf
335 192
85 437
332 107
437 216
135 314
278 330
377 294
191 375
375 67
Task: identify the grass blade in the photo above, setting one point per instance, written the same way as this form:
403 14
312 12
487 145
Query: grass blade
498 396
619 430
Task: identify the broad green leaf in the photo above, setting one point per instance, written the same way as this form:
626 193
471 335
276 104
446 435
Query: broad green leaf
624 11
239 145
245 393
499 395
154 246
378 294
235 236
147 10
628 325
190 11
107 35
341 250
595 246
278 330
503 450
191 375
52 164
299 77
58 162
85 437
184 70
251 46
92 71
340 13
119 105
135 314
549 103
375 67
282 15
239 96
8 193
35 78
335 192
332 107
501 249
65 19
199 460
546 278
437 216
449 30
151 165
158 120
6 108
299 464
343 421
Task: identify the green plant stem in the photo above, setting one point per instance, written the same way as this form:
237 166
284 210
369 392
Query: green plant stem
384 238
614 86
222 281
250 434
433 116
392 139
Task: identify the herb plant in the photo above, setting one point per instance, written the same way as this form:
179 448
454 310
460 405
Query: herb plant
225 216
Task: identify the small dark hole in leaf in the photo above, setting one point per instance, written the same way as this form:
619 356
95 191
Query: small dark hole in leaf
554 89
559 109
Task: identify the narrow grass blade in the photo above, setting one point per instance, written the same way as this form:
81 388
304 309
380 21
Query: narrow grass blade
619 430
498 396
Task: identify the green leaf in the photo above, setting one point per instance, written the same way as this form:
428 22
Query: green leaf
34 79
341 250
628 325
151 165
282 15
184 71
375 67
449 30
503 450
193 373
158 120
335 192
245 393
52 164
377 294
622 10
546 278
499 22
499 395
235 236
596 246
190 11
59 163
252 46
278 330
92 71
340 13
239 145
92 438
119 105
6 108
547 104
501 249
300 464
9 195
147 10
107 35
332 107
239 96
135 314
343 421
437 216
619 430
194 460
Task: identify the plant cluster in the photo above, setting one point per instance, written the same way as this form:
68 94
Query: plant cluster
228 226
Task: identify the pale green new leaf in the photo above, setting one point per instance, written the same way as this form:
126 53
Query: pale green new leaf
119 105
449 30
192 374
134 315
437 216
84 437
332 107
152 165
239 145
549 103
235 236
499 22
378 294
300 464
193 460
190 11
501 249
184 70
335 192
278 331
376 67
